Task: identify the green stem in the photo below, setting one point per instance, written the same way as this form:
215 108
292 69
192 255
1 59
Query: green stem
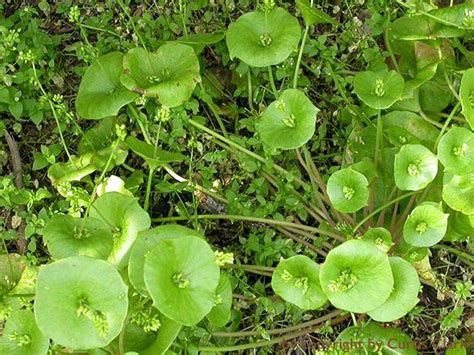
136 116
148 188
100 30
124 9
272 82
250 90
390 51
300 56
208 100
455 252
446 124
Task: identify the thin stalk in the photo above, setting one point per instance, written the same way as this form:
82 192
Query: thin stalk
446 124
300 55
130 18
148 188
429 120
100 30
210 104
133 111
390 51
454 251
250 90
301 241
272 82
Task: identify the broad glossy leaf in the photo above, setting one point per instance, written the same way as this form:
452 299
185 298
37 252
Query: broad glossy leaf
69 236
404 295
296 280
380 237
348 190
182 277
379 90
460 15
100 92
425 226
21 335
125 215
98 137
404 127
220 314
458 192
153 156
199 40
456 151
80 303
415 167
466 94
73 170
170 74
288 122
435 95
262 40
356 276
421 27
313 16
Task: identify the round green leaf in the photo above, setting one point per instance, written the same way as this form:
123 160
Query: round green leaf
415 167
466 94
348 190
124 214
456 151
296 280
379 90
404 295
380 237
356 276
69 236
288 122
81 303
100 92
21 335
458 192
220 313
181 276
170 74
146 241
425 226
261 40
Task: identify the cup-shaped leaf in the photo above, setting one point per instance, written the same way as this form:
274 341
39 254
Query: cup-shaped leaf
81 303
425 226
404 295
313 16
126 217
69 236
466 94
21 335
296 280
415 167
348 190
288 122
379 90
456 151
181 276
100 92
170 74
261 40
146 241
380 237
356 276
458 192
409 252
220 313
153 156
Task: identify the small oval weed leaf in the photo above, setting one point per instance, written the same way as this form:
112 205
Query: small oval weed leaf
458 192
145 242
170 74
380 237
296 280
379 90
466 94
81 303
415 167
356 276
12 267
220 314
261 40
69 236
425 226
126 217
153 156
404 295
348 190
288 122
456 151
100 93
21 335
181 276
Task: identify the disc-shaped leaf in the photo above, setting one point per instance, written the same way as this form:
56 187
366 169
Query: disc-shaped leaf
146 241
380 237
458 192
81 303
100 92
170 74
348 190
356 276
415 167
288 122
21 335
379 90
69 236
456 151
220 313
181 276
466 94
124 214
313 16
425 226
261 40
404 295
296 280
